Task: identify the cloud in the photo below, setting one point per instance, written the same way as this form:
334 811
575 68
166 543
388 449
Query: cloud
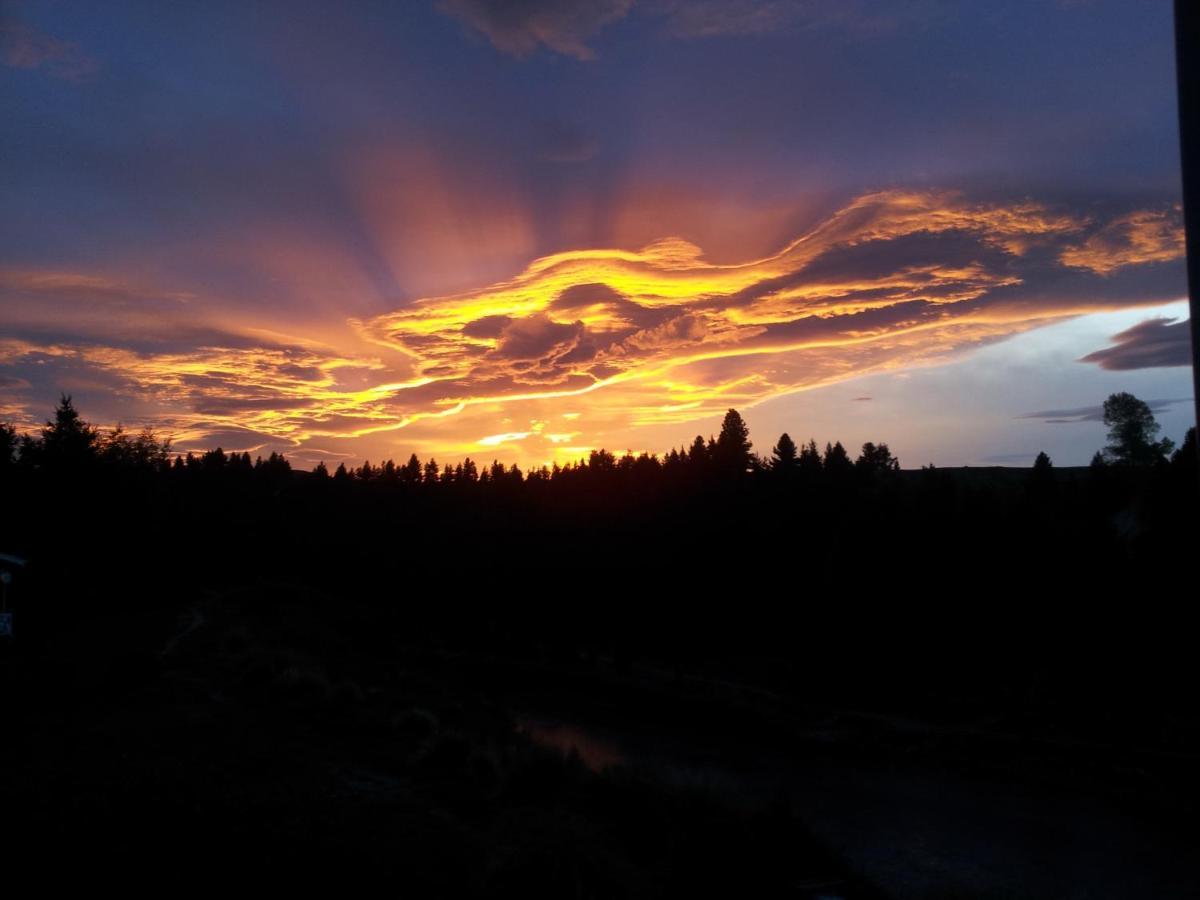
607 340
1150 344
713 18
917 274
1093 413
24 47
1146 236
520 27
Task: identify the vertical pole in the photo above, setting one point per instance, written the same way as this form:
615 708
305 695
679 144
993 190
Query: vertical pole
1187 77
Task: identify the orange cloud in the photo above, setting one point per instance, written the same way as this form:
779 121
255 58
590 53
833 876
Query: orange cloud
582 349
1141 237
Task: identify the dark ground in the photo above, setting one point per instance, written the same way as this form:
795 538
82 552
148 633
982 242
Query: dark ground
275 733
914 685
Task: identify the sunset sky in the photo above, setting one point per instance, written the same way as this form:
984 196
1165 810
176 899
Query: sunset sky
524 230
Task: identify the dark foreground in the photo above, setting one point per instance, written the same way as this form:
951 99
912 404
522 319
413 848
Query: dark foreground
274 733
973 683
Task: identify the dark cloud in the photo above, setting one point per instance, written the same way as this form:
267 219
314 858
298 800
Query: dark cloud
862 399
304 373
520 27
1151 344
681 330
580 296
487 327
537 349
577 300
1093 413
232 406
536 337
23 47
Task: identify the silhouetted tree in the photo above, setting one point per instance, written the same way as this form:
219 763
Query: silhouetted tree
214 460
784 457
1131 432
601 461
810 460
837 461
67 440
1185 456
470 472
8 445
733 444
411 473
144 450
321 471
276 467
1041 478
876 459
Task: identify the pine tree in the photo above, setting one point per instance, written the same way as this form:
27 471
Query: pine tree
411 473
784 457
810 460
837 460
733 444
1041 477
876 458
68 440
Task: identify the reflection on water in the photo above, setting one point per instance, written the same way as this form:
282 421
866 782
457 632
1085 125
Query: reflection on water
594 752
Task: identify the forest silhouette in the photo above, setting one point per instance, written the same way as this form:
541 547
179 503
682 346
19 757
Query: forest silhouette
261 665
658 536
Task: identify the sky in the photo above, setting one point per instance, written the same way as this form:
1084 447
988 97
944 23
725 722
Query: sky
523 230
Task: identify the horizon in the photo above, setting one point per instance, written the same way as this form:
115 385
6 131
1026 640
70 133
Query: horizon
451 231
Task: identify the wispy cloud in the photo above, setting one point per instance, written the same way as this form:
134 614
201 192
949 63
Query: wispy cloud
582 348
1079 414
24 47
711 18
893 276
520 27
1150 344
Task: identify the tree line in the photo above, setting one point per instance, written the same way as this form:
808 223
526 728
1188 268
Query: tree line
68 441
109 519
